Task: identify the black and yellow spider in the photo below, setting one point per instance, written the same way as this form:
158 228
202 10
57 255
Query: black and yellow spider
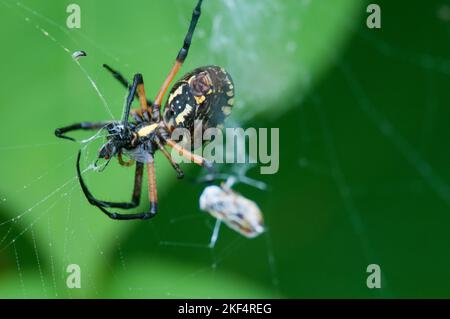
205 94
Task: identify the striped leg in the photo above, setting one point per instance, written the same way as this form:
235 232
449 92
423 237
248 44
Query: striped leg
182 54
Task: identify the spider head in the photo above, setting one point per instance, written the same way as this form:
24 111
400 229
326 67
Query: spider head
107 151
119 136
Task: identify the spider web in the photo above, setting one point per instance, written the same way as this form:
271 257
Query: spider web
41 272
414 152
37 248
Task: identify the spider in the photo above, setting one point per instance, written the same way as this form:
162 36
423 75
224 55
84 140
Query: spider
204 94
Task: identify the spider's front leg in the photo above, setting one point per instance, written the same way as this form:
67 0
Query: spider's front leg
86 126
135 198
102 205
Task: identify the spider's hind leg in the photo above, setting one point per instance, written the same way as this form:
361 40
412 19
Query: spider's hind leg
181 56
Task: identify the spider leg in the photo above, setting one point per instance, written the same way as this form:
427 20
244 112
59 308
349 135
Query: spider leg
59 132
197 159
135 198
152 191
132 92
119 77
102 205
170 159
124 163
182 54
145 111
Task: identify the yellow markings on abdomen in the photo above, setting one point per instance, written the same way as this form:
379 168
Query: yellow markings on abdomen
174 94
147 130
180 117
199 99
226 110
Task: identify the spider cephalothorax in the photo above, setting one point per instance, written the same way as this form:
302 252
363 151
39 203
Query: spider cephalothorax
119 137
201 99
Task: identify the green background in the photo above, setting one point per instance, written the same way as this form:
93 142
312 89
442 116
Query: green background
363 117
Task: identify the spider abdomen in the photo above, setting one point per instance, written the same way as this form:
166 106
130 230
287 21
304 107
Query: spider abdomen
205 94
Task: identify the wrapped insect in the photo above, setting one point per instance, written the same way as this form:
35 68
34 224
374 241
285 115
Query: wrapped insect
236 211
